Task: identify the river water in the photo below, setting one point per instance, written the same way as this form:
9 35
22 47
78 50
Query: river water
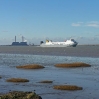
88 77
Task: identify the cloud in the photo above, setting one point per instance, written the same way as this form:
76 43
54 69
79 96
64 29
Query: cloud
77 24
94 24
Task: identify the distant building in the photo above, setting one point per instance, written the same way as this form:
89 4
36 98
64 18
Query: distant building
19 43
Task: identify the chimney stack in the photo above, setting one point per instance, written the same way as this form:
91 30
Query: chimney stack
15 38
22 39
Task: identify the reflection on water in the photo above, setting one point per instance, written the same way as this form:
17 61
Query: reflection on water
85 77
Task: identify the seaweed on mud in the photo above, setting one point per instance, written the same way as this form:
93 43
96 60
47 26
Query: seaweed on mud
67 87
76 64
31 66
17 80
20 95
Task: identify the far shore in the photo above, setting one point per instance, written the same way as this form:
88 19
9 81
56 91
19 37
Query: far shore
39 45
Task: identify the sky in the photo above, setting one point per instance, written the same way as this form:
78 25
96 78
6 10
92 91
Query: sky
57 20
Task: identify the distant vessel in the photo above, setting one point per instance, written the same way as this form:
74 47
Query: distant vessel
19 43
67 43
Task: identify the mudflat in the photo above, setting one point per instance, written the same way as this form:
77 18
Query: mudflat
87 78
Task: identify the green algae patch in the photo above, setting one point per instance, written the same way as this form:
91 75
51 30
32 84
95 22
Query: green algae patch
46 81
17 80
77 64
20 95
32 66
67 87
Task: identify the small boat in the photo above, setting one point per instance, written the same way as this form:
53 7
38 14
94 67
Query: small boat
67 43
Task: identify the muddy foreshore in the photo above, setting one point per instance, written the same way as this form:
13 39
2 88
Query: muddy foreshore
87 78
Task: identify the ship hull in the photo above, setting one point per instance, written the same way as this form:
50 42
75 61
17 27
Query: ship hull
44 45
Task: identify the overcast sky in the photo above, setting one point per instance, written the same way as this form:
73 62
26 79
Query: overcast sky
58 20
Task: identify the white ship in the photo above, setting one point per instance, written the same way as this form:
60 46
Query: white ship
67 43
